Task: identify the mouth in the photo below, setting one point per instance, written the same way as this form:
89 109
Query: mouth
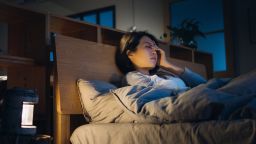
153 59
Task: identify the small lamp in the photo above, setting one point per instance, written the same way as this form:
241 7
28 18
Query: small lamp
19 110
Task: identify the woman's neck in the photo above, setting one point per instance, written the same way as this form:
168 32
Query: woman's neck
143 71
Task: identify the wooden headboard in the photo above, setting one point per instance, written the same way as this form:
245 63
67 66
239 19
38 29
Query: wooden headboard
77 58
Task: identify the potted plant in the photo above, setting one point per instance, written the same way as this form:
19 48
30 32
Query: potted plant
186 32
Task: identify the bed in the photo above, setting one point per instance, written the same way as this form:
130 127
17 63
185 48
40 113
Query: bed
77 58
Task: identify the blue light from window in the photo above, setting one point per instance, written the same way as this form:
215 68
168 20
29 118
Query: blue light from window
208 12
210 15
214 44
90 18
106 19
51 56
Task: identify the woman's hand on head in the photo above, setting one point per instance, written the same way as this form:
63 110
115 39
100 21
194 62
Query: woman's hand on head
165 64
161 57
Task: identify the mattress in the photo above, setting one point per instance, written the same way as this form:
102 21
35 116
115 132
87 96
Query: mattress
210 132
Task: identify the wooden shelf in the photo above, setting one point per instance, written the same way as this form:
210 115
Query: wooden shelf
111 37
206 59
189 54
27 58
73 28
180 52
7 60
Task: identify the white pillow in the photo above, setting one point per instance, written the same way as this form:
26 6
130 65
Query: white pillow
94 88
99 105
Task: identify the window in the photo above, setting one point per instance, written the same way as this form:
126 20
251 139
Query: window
210 15
104 16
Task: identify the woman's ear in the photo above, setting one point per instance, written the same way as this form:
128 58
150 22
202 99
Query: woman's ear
129 53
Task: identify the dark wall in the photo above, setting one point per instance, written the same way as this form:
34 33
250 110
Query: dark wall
244 35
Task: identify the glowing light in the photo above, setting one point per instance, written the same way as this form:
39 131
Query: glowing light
27 113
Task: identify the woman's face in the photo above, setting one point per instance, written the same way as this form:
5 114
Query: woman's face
145 56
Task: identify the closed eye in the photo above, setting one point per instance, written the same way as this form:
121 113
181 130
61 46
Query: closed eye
150 47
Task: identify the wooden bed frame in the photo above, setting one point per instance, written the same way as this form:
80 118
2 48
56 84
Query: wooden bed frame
77 58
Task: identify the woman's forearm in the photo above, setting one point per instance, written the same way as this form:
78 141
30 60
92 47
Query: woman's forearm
191 78
172 68
165 64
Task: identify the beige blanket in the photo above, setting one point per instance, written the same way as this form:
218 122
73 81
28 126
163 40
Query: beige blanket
211 132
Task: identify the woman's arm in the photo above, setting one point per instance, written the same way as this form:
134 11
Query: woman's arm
165 64
191 78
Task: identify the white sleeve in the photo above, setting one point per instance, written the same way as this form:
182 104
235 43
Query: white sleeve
136 78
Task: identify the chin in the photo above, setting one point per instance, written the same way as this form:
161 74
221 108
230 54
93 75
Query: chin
151 67
148 66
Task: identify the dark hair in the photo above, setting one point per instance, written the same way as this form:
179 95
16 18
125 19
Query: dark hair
130 41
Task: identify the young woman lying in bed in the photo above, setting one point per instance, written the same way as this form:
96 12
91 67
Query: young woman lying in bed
156 97
140 58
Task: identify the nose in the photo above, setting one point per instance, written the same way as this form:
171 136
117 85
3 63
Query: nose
154 49
154 52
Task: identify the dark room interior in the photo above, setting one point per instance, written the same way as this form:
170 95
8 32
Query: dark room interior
60 79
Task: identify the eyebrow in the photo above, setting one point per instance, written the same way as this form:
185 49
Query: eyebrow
153 43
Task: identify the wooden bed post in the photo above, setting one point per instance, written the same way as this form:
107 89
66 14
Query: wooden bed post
62 126
61 121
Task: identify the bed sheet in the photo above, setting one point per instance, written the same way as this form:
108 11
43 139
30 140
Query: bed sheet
210 132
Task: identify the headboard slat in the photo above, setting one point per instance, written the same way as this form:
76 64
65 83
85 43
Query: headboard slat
78 58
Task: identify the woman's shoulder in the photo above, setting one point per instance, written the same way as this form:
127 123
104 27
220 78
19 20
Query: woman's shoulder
137 78
134 74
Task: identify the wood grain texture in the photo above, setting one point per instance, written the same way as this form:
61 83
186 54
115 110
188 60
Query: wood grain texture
7 60
61 127
32 77
69 27
78 58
